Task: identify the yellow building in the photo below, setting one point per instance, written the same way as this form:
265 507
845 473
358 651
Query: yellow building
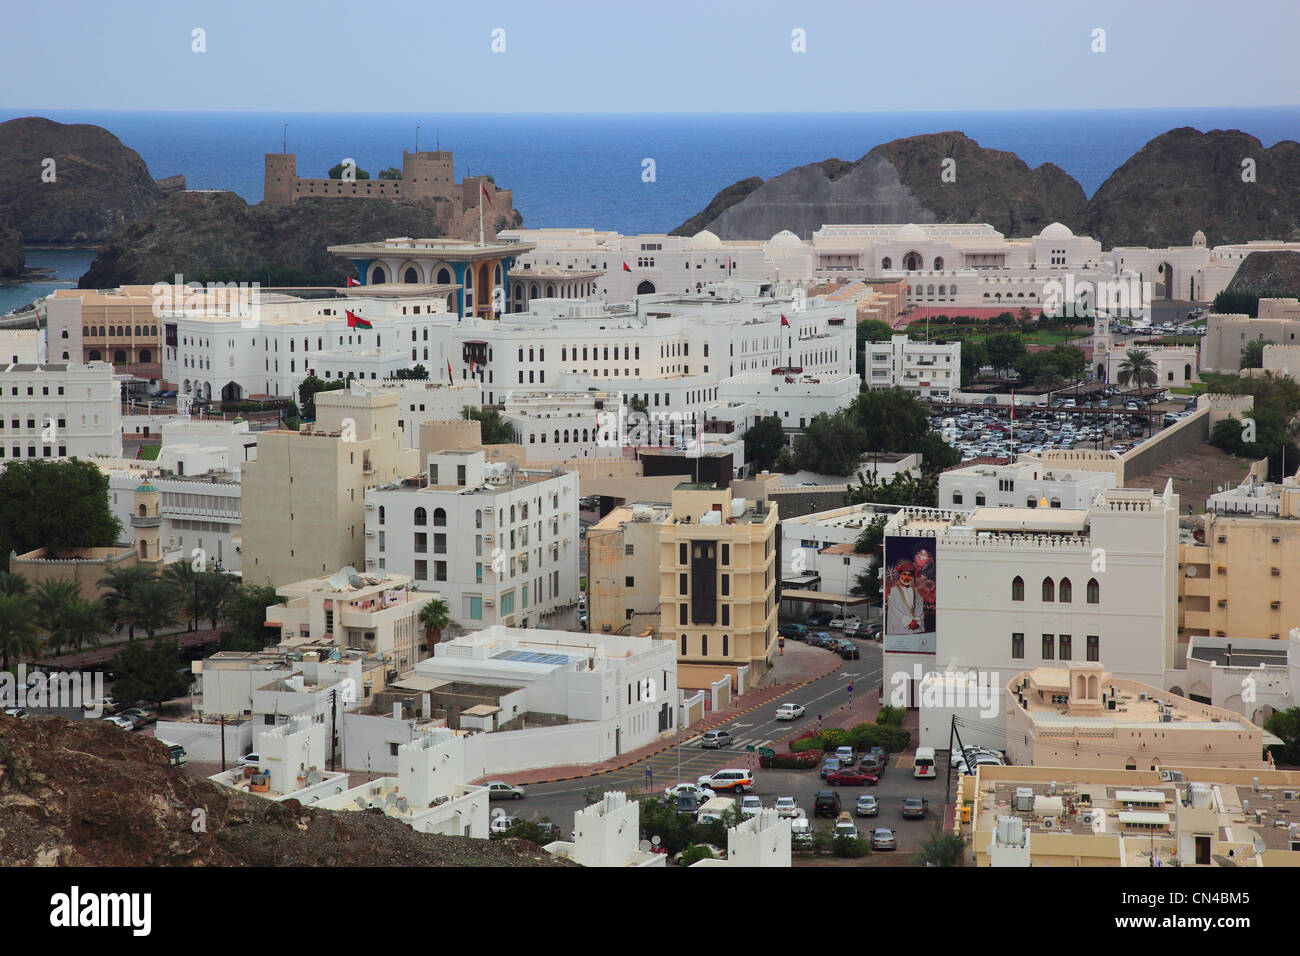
717 591
1051 816
623 569
1243 578
303 499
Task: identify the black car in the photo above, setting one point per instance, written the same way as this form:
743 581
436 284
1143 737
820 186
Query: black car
848 650
826 804
688 803
819 619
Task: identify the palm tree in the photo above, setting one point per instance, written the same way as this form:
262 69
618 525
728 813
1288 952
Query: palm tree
1139 369
1252 356
84 622
18 637
434 617
216 592
153 605
183 579
120 582
51 601
11 582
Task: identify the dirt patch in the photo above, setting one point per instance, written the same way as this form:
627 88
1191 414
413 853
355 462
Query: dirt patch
1196 475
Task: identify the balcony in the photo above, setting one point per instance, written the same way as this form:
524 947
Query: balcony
146 521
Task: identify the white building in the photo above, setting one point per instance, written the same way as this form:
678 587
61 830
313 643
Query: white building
22 347
292 765
796 398
927 369
1027 483
817 549
608 833
762 840
615 693
500 546
1253 677
60 410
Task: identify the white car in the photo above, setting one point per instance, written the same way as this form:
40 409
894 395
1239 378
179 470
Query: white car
749 807
249 760
120 722
502 823
786 807
689 789
839 623
15 712
790 711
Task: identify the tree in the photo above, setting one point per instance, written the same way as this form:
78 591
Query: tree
217 590
1235 303
59 505
434 617
11 582
902 489
183 580
418 372
153 605
1285 725
1271 439
336 172
18 638
83 623
495 429
830 444
1252 356
1138 369
307 394
120 581
246 615
392 172
943 849
149 674
51 601
1004 348
763 442
872 537
974 356
867 583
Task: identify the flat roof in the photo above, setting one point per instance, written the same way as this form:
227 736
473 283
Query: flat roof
1061 520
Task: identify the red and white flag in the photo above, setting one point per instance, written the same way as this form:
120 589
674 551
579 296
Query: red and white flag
486 196
352 282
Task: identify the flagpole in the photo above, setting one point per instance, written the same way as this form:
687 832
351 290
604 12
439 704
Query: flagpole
481 190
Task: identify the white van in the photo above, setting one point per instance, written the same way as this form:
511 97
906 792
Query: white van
923 764
715 809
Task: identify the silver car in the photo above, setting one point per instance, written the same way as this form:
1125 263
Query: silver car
500 790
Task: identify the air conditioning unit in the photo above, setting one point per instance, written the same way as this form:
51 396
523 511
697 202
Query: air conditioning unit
1088 818
370 534
1049 823
1275 604
488 602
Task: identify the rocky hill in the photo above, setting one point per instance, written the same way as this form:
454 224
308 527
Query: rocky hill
899 181
1185 180
88 794
1179 182
196 233
11 249
99 185
1269 275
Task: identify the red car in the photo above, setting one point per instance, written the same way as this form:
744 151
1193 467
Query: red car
852 778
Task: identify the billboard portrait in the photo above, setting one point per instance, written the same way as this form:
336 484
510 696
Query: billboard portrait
909 583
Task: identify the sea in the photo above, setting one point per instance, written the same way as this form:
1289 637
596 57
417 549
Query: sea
634 173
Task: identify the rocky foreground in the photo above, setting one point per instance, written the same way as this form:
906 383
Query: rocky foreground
89 794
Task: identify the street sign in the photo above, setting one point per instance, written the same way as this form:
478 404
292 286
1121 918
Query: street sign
766 752
749 748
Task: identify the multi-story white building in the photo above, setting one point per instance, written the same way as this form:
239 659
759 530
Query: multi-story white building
60 410
22 347
795 398
927 369
1027 483
499 545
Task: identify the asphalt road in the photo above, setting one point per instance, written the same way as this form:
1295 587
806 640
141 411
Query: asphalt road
558 801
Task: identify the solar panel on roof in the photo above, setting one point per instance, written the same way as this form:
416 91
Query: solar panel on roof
533 657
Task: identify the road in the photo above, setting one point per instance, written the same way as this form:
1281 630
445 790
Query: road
558 801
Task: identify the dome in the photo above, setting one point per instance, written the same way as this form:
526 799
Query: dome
911 231
785 238
705 240
1198 238
146 488
1056 231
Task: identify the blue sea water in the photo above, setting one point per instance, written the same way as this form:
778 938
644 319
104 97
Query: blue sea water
68 265
586 169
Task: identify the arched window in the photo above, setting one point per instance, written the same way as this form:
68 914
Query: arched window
979 499
444 277
724 645
938 263
704 644
64 334
439 518
381 514
1049 590
1066 591
1017 588
478 518
421 517
512 514
1094 591
886 263
410 276
566 435
683 645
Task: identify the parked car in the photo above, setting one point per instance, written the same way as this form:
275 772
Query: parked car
867 806
852 778
839 623
502 823
786 807
915 808
686 803
695 790
868 763
15 712
818 619
866 632
105 705
790 711
820 639
797 632
249 760
829 766
844 827
500 790
801 835
848 650
714 739
749 807
845 755
145 715
123 723
882 838
826 804
729 779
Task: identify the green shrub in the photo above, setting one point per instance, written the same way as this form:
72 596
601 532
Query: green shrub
891 716
694 853
833 737
850 846
806 743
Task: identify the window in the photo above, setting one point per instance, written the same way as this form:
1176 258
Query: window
726 555
1066 592
1049 647
681 613
681 583
979 499
704 644
1094 591
1094 648
629 582
1017 646
682 554
1049 590
1017 588
381 514
683 644
724 645
421 517
1063 647
726 585
956 497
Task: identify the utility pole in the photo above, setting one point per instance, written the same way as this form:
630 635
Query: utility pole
223 743
334 725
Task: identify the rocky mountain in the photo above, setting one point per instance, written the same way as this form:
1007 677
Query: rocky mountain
900 181
89 794
64 184
1269 275
200 232
1181 181
1185 180
11 249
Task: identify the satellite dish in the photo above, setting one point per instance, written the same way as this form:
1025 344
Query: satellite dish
356 581
655 840
1222 860
644 846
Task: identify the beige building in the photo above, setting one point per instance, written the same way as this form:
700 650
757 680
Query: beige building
374 614
1080 715
717 567
102 325
84 567
1234 582
1049 816
303 507
623 568
1226 336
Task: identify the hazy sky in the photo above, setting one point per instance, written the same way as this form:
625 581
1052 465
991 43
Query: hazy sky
664 56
